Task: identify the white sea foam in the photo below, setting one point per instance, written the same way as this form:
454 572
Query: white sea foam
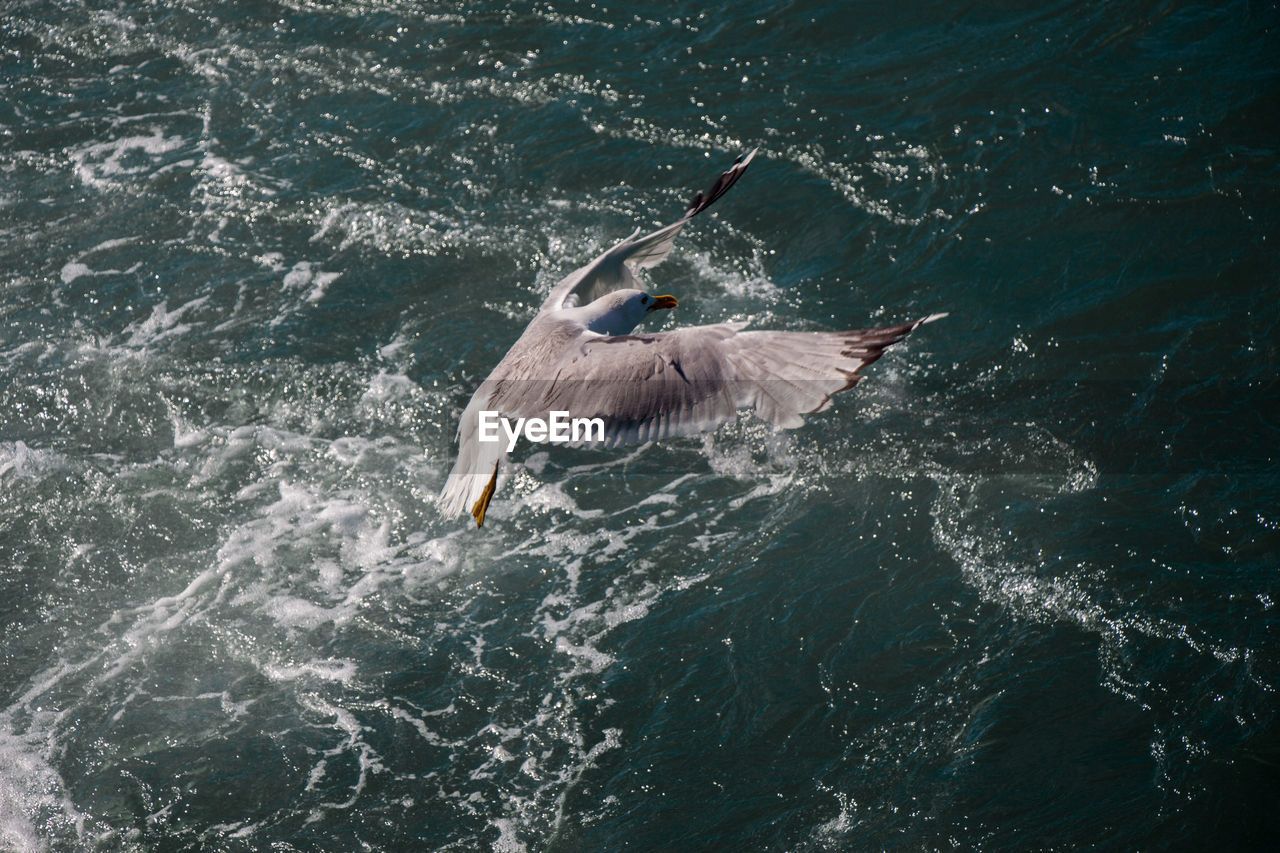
162 324
20 461
508 840
74 270
393 351
766 459
350 742
388 386
551 496
326 669
273 261
386 227
35 807
101 164
293 612
756 285
305 275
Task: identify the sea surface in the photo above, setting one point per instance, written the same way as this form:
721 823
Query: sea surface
1017 591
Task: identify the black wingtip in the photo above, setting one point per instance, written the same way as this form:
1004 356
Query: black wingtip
703 200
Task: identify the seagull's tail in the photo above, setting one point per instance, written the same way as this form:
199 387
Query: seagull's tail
470 483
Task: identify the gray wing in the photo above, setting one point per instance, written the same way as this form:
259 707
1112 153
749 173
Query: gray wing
616 269
647 387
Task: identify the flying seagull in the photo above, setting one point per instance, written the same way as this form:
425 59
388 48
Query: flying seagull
578 356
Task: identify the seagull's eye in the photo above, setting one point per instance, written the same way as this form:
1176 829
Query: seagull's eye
644 299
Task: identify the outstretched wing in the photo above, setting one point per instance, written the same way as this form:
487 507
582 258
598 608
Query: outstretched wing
616 269
647 387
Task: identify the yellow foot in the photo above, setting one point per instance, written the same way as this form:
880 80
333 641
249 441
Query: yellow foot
477 511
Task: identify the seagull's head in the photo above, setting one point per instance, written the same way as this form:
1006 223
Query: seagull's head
619 312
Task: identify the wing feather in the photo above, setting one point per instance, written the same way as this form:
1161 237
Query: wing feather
646 387
616 268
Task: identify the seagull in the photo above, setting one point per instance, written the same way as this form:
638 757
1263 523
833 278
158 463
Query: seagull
580 356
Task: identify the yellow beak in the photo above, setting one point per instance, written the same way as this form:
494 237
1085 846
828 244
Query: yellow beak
664 301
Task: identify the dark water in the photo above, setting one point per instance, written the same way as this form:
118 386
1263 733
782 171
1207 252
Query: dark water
1017 592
